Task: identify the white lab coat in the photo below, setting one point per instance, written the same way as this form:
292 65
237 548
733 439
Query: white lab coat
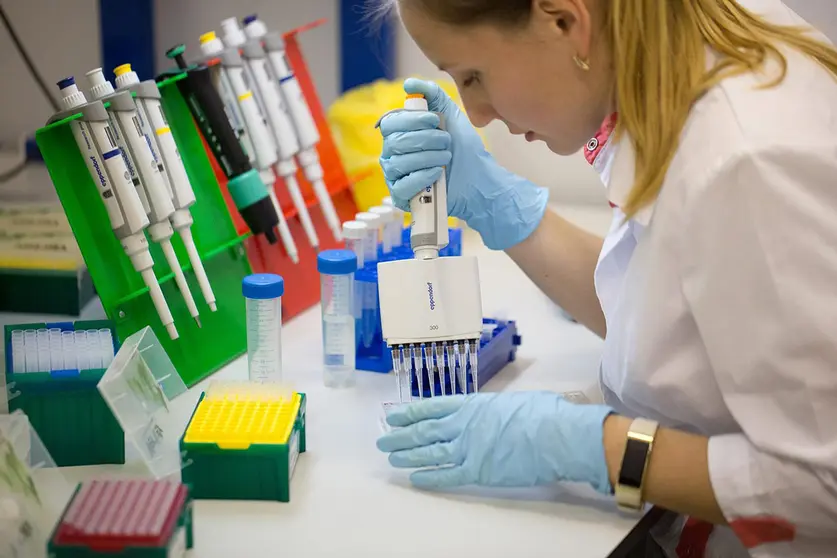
721 303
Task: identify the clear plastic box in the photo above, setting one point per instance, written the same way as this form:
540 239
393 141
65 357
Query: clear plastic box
33 492
139 386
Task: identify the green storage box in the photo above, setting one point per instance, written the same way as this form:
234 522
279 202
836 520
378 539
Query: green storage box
62 402
227 456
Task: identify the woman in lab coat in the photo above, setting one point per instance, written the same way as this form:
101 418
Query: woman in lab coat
713 124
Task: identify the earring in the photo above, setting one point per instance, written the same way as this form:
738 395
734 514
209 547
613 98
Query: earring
581 63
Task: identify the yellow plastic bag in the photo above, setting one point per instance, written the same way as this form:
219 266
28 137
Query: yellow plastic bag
352 120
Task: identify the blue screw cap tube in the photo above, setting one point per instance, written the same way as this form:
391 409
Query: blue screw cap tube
337 269
263 298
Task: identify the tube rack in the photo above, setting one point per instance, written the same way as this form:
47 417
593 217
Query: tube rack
62 403
242 442
128 518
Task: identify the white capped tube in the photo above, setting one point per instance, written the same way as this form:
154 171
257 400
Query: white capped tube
398 234
373 236
389 225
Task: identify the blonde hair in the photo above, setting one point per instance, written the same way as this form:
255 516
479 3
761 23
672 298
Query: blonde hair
657 48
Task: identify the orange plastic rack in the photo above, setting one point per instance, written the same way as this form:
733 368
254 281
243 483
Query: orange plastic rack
302 285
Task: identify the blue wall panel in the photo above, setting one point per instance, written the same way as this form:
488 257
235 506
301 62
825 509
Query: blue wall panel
367 47
127 28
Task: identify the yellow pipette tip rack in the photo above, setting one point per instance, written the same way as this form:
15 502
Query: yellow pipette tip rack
243 442
236 415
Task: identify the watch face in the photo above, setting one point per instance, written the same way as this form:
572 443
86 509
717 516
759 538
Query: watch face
633 463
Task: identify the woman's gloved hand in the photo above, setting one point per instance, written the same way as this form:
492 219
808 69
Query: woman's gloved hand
503 207
499 439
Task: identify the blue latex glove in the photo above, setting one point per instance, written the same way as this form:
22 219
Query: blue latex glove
499 439
503 207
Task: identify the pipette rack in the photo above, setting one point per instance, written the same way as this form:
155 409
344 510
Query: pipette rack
127 518
199 351
301 280
243 441
64 406
375 356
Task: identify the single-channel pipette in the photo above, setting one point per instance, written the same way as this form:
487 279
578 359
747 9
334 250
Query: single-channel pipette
269 101
430 301
246 188
264 150
290 119
97 141
156 129
148 164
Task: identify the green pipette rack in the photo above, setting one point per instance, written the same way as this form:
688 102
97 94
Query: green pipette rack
198 352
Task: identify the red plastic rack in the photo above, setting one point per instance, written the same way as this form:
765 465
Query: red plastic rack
302 284
111 515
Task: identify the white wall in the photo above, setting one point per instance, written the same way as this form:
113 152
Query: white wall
570 179
62 39
186 20
68 43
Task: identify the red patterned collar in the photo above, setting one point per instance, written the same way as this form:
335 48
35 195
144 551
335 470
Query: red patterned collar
597 142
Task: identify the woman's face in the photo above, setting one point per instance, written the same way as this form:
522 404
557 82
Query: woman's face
525 77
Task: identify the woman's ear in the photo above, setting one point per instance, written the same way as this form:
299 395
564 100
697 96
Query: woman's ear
570 19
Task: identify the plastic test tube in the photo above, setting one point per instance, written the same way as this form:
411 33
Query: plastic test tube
96 141
157 130
388 225
373 222
132 124
271 99
263 293
303 123
397 231
355 232
246 188
264 150
337 268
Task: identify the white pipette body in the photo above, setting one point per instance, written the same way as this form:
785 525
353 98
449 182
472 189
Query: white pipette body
95 122
269 99
183 196
233 71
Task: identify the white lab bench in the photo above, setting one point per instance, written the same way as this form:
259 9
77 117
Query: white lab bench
346 500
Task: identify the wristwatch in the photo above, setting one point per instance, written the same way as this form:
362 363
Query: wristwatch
640 442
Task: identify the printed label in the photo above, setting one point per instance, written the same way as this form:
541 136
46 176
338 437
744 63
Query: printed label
293 454
152 437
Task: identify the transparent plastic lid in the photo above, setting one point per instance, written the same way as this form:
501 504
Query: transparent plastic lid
138 386
33 492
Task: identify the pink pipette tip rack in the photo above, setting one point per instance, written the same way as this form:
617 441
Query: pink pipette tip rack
111 515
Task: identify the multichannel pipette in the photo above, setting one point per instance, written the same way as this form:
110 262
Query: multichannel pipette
264 154
148 164
269 101
296 122
244 184
431 309
155 127
97 142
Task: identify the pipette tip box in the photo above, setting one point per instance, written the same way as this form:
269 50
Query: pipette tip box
127 518
243 441
51 375
498 347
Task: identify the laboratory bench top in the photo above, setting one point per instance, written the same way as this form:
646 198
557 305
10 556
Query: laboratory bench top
346 500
